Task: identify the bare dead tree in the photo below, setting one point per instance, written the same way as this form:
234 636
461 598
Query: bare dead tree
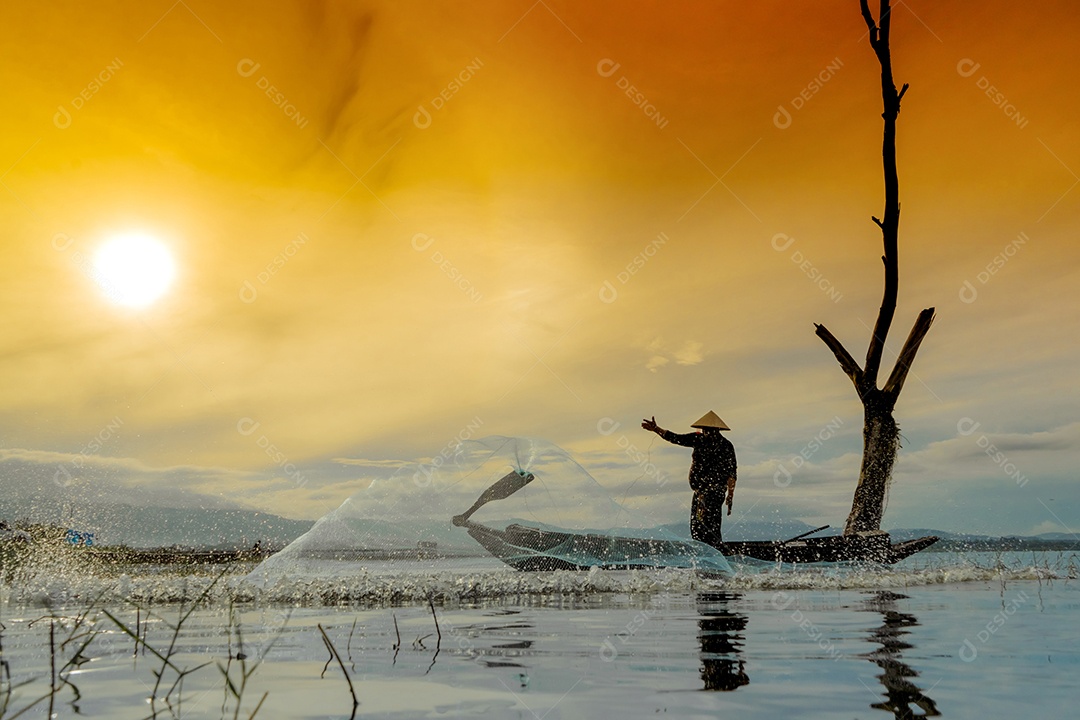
881 434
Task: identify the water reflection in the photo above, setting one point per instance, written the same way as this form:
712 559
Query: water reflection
901 693
720 633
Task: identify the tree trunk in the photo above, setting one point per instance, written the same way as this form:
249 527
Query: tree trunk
881 435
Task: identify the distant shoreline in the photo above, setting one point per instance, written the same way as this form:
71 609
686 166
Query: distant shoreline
1005 544
204 556
209 556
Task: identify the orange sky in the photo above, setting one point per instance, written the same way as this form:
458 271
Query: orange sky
445 256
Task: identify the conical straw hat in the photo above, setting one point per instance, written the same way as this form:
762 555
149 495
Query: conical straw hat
711 420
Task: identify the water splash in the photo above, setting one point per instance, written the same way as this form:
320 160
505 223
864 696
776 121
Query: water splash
380 584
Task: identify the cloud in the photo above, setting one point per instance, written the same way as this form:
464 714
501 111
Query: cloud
656 362
361 462
690 352
118 469
979 453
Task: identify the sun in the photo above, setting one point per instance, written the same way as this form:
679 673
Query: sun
134 269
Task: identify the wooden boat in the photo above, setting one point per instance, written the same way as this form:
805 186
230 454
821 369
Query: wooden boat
529 548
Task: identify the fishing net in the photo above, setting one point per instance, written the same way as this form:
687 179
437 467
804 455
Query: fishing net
551 514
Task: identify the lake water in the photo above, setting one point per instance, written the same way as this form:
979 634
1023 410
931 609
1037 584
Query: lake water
943 634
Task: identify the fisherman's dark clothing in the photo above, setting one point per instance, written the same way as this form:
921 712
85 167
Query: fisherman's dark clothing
712 463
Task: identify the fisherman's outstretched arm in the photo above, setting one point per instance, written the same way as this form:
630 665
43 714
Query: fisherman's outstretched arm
687 440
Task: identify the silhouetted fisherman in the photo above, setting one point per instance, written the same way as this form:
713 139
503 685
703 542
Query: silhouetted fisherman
712 474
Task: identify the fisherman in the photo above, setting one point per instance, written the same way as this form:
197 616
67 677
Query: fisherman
712 474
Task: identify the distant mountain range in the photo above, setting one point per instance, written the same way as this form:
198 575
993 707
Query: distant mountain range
146 527
162 527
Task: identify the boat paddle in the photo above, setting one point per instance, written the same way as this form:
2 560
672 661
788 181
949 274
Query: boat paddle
808 532
504 487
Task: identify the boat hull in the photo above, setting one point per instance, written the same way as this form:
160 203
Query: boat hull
529 549
533 549
870 547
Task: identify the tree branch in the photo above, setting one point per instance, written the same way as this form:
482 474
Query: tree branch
847 363
907 354
890 220
870 24
884 321
884 22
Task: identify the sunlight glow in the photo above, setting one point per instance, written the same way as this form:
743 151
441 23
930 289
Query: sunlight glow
134 269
